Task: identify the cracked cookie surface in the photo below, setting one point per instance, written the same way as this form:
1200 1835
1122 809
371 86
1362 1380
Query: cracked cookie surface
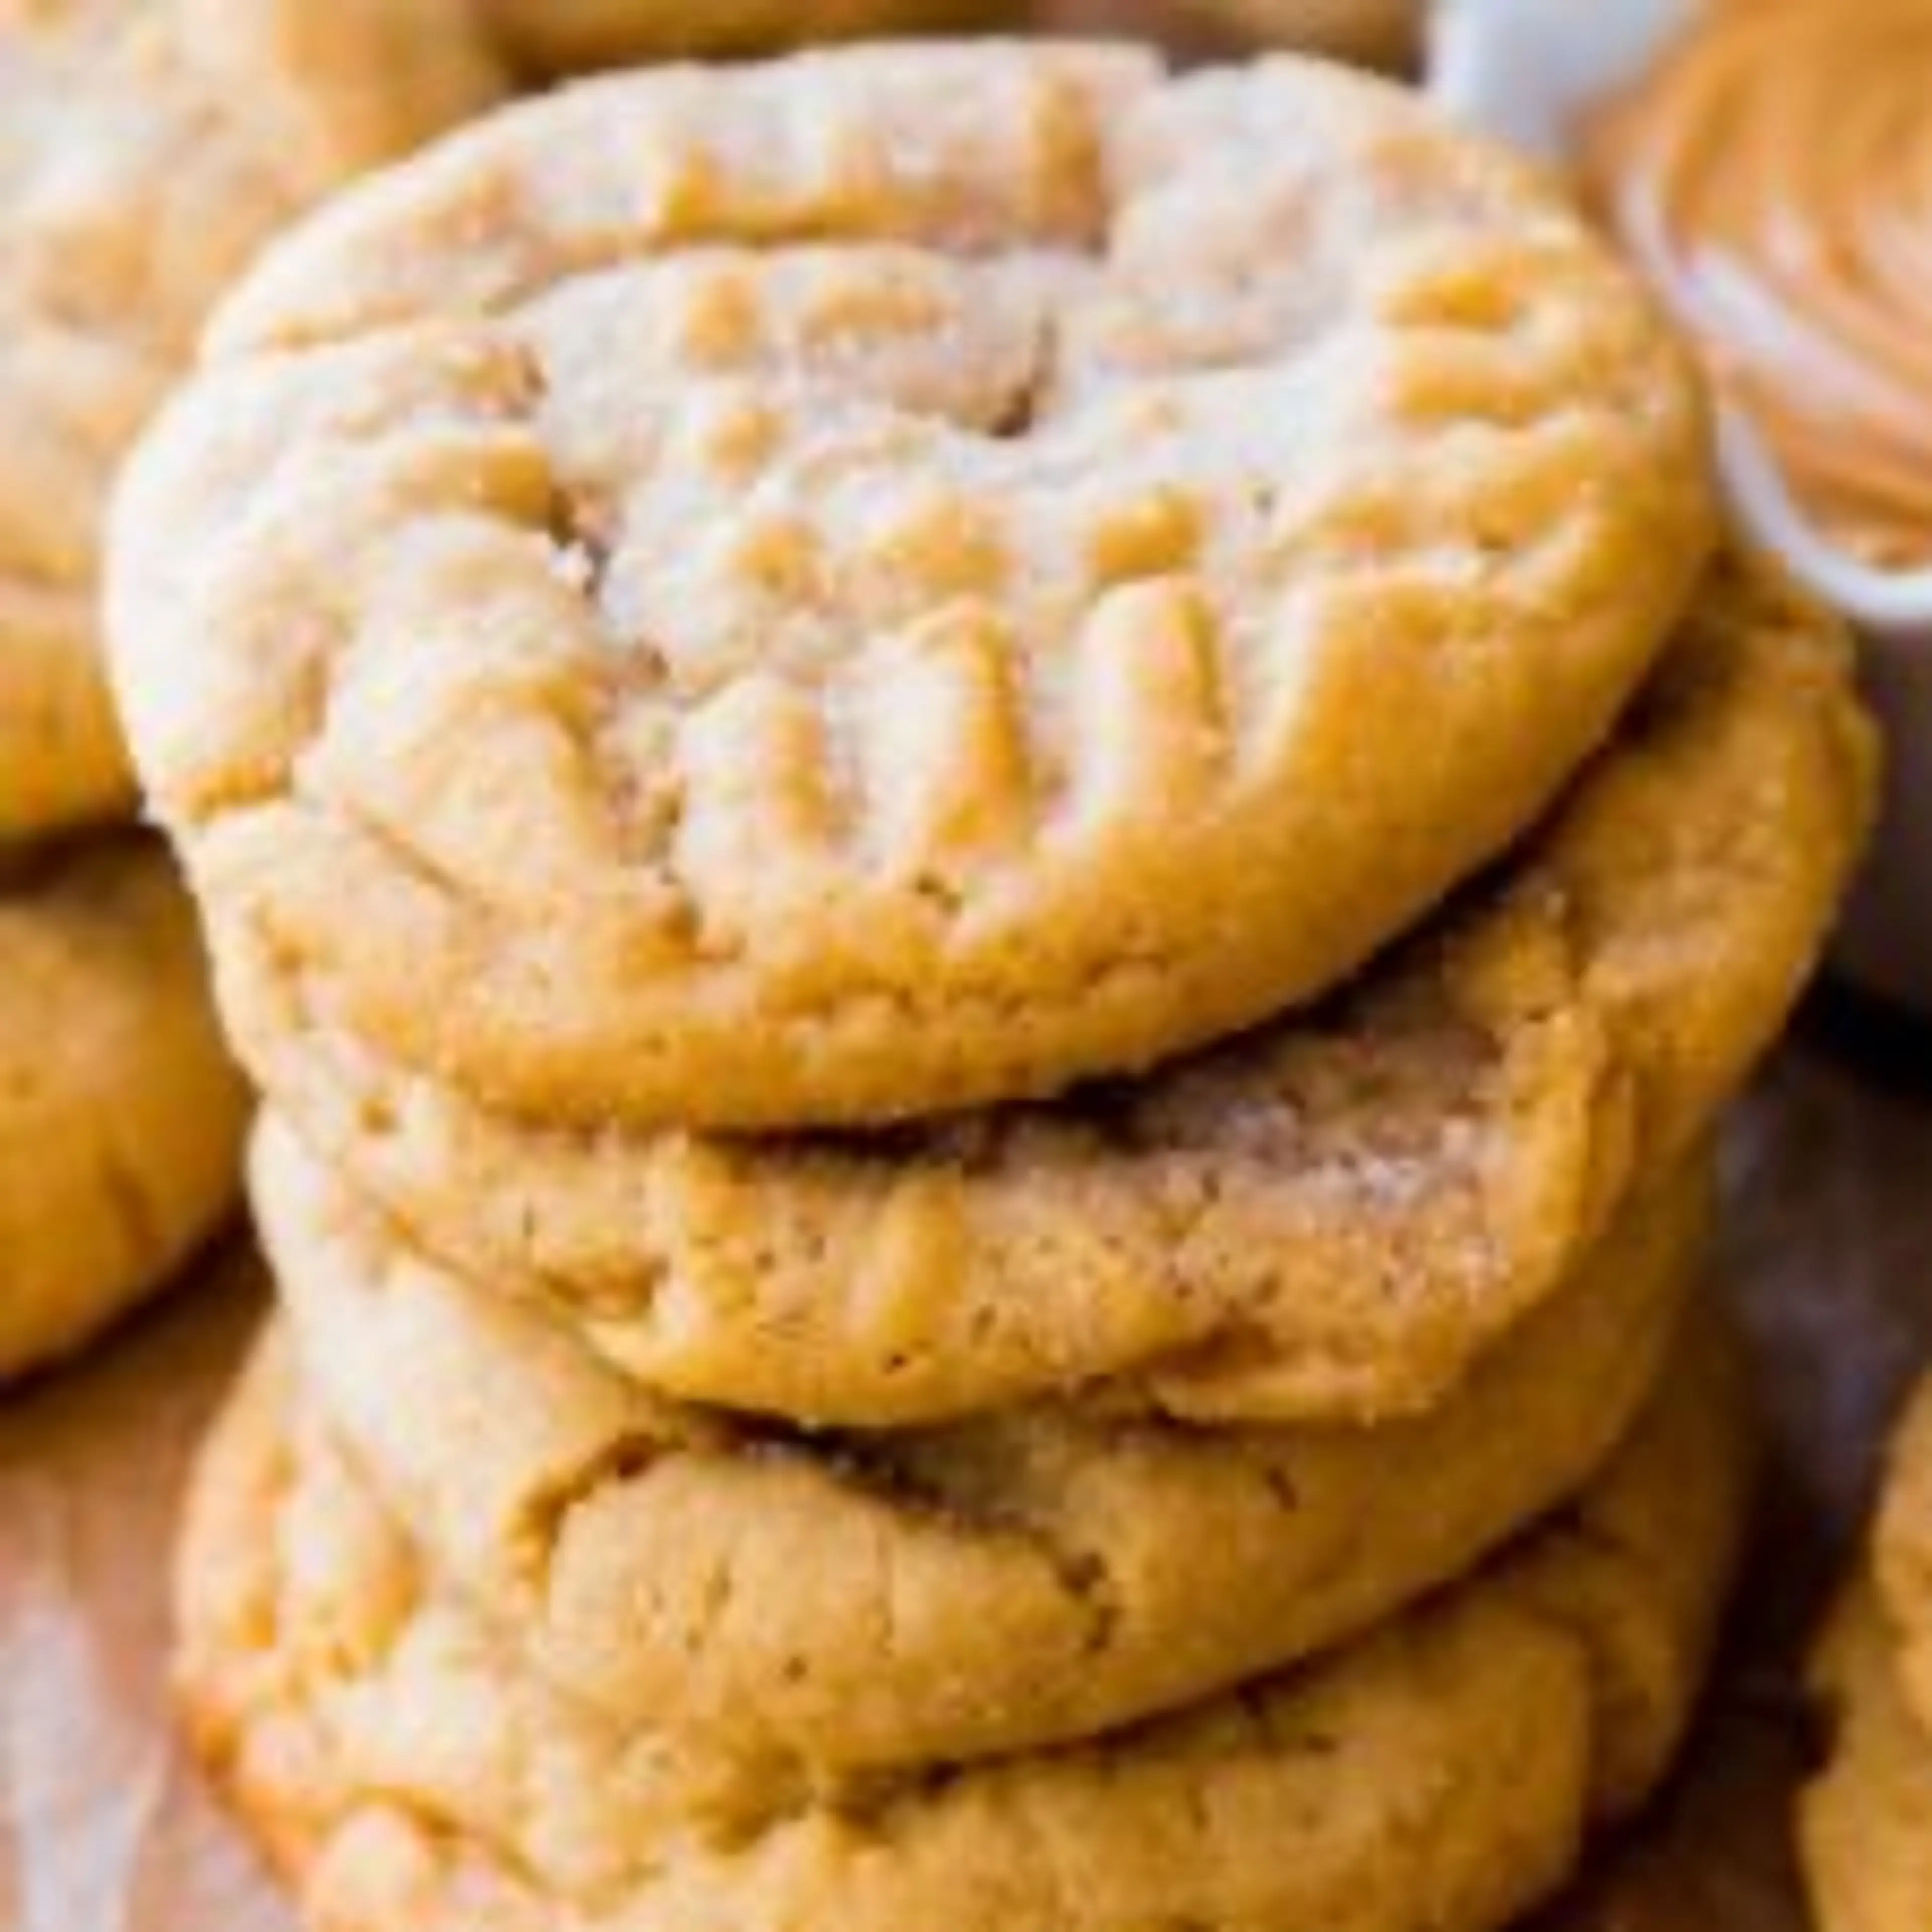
1018 1580
147 149
122 1116
1332 1217
404 1770
816 593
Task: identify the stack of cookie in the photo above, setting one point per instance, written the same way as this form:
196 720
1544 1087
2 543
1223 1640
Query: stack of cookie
995 832
147 148
1866 1835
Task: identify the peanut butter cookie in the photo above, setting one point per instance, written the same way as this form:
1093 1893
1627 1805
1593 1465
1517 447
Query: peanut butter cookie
814 593
405 1770
811 1609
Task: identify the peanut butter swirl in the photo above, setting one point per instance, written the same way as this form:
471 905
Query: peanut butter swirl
1775 172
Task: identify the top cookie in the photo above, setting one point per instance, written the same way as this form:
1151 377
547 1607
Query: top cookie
122 1116
147 148
825 592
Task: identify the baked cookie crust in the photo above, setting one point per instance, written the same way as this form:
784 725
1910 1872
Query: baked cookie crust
814 594
815 1609
403 1770
1332 1217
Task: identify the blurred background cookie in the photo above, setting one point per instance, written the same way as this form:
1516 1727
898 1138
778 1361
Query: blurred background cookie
568 36
121 1116
1385 33
1376 33
150 148
1866 1822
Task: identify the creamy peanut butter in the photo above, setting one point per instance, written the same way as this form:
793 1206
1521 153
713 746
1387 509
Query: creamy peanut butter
1774 173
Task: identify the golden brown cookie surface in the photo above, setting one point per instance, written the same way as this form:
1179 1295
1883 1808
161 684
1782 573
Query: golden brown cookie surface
1332 1217
404 1772
121 1114
1902 1551
820 592
1865 1826
1866 1822
147 149
813 1609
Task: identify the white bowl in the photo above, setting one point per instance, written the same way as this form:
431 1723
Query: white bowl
1527 70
